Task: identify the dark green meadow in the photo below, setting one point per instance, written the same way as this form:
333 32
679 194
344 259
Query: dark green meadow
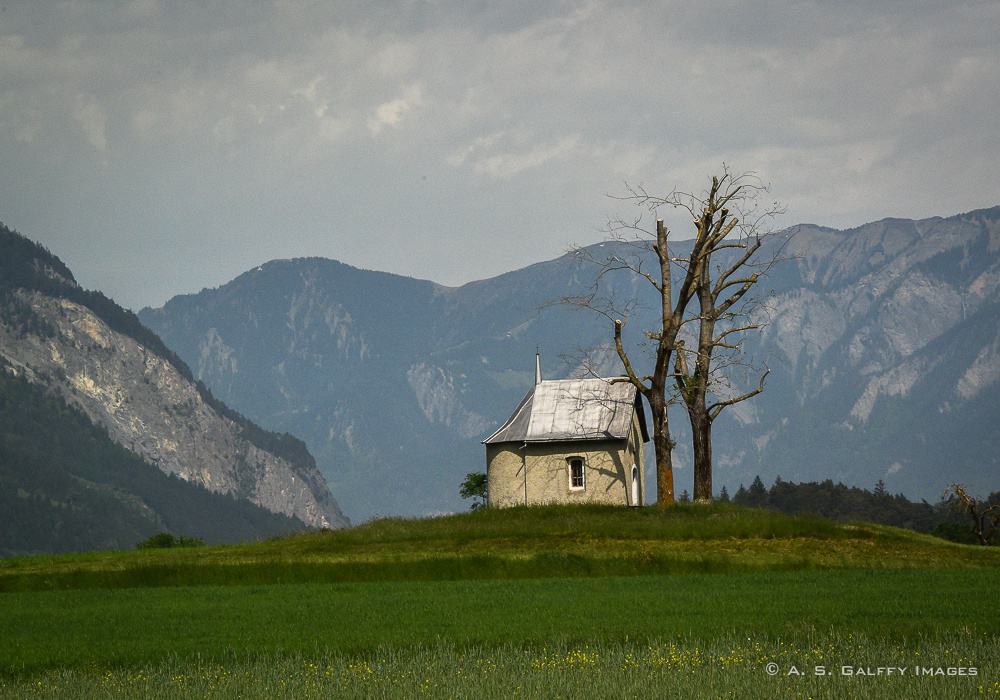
551 599
131 626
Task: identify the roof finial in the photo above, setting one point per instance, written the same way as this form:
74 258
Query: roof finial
538 366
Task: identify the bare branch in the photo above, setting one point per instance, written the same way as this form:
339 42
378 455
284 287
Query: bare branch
723 278
626 361
737 295
716 408
736 329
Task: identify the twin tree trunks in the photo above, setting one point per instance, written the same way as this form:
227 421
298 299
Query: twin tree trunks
726 218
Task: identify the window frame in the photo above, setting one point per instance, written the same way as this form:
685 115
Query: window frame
583 473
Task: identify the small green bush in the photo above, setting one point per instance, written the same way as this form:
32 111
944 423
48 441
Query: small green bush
163 540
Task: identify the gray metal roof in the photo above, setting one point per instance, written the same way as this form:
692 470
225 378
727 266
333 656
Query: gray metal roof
573 409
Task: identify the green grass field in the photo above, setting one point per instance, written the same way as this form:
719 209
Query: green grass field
526 602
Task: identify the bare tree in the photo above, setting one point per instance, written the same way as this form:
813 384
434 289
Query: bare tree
985 517
720 225
728 218
656 385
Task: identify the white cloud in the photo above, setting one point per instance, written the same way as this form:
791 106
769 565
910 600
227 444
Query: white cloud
92 119
504 165
251 115
310 91
391 113
479 144
486 159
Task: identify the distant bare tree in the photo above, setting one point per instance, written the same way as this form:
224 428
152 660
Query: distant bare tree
725 217
985 516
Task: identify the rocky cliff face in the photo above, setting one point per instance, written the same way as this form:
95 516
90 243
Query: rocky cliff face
148 404
882 341
885 347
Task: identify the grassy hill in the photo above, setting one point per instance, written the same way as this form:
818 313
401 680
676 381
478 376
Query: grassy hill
551 541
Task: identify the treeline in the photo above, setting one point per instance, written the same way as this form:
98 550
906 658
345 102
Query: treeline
839 502
25 264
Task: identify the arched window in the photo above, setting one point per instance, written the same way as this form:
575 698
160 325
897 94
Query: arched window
577 474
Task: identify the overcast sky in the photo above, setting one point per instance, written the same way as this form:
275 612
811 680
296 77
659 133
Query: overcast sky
159 148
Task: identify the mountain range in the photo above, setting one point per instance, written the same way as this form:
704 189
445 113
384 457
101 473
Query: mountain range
883 341
108 438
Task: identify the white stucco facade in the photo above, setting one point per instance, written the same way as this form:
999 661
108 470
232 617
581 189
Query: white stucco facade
533 473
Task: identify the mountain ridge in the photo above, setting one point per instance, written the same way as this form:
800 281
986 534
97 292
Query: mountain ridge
390 378
822 228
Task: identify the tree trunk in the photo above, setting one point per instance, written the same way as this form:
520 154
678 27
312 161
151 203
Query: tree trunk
980 526
701 429
701 421
663 446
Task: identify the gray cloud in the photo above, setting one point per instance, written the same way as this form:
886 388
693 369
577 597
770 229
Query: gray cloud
161 147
